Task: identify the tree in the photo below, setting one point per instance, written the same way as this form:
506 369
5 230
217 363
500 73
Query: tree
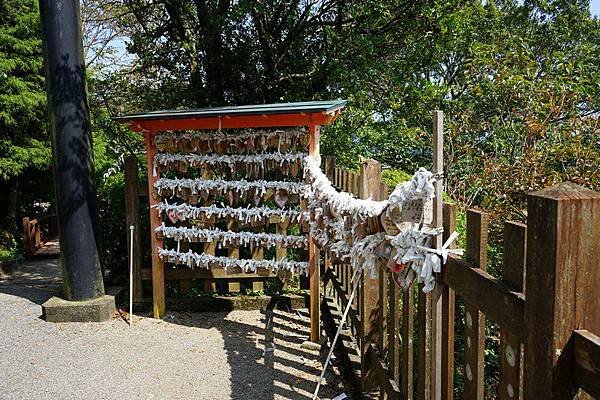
216 52
24 140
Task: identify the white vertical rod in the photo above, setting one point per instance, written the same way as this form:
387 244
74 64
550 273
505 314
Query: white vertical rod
356 281
131 228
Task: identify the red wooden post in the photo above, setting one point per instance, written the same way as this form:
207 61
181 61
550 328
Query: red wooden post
314 256
562 284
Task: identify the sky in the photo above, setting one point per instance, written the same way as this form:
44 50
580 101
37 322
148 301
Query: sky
595 7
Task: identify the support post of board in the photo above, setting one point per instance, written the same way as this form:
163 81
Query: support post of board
132 218
158 267
314 256
562 284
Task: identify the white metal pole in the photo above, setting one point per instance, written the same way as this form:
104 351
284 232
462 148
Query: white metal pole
355 281
131 228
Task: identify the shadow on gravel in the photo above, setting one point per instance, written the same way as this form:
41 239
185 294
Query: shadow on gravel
268 361
35 280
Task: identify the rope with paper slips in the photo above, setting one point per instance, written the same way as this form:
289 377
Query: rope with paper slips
411 246
248 141
338 230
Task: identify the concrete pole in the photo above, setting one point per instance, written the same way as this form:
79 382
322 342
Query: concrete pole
72 147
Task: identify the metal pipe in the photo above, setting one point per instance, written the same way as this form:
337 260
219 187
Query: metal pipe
131 244
72 148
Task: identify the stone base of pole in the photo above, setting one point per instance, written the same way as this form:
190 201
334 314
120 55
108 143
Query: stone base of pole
96 310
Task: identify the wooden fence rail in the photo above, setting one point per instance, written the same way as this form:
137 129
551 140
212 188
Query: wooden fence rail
548 342
38 231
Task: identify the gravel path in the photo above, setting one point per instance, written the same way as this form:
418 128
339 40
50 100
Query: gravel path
186 356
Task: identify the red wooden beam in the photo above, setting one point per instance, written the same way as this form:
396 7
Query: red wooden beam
243 121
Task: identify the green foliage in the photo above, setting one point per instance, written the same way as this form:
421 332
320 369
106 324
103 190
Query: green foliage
23 136
11 253
392 177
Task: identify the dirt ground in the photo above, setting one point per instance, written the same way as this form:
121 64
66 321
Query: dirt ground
232 355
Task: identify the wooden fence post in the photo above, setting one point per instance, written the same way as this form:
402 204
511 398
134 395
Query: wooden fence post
407 332
438 291
132 217
562 283
370 175
448 314
477 233
513 274
329 164
27 237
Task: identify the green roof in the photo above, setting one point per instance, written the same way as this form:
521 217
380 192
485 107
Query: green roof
279 108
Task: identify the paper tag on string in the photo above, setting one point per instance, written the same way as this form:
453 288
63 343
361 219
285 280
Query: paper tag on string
417 211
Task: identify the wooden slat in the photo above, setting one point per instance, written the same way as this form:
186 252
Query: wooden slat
382 374
424 345
185 285
233 252
393 332
258 255
563 283
477 227
314 255
343 295
406 332
382 317
511 359
329 167
27 242
448 315
209 282
496 300
142 190
158 267
202 273
586 362
370 173
281 228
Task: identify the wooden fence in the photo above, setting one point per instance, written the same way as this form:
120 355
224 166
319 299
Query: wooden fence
39 231
546 304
